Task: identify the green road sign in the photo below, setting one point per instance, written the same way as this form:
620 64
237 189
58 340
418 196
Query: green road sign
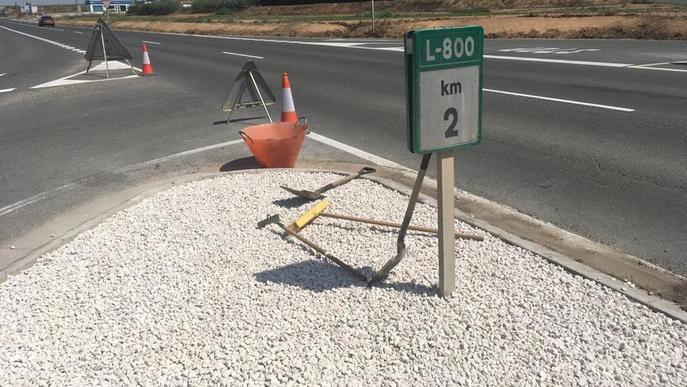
444 88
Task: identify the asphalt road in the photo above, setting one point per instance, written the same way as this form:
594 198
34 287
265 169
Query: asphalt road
605 159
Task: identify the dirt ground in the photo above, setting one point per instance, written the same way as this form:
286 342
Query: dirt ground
495 26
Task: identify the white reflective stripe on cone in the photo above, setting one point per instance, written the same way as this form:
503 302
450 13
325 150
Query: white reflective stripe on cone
288 100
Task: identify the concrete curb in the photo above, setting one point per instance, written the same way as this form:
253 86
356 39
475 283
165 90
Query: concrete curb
653 302
105 207
643 275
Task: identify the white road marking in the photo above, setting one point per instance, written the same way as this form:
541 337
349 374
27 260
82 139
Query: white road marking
246 55
658 69
559 61
6 90
356 152
78 32
549 50
35 198
149 42
622 109
46 40
398 49
113 65
575 51
46 194
2 74
334 43
650 66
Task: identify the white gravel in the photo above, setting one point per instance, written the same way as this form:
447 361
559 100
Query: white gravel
182 289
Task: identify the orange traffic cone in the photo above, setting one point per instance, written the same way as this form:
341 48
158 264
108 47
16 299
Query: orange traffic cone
147 67
288 113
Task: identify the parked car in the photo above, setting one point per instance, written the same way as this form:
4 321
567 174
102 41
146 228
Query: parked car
46 20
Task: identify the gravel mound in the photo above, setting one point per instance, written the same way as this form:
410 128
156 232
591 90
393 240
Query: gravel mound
182 289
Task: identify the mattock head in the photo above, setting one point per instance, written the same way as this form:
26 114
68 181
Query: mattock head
269 220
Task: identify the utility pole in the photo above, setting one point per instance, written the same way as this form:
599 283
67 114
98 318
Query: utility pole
373 16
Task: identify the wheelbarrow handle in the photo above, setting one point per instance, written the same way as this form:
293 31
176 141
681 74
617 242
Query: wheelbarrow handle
303 121
245 136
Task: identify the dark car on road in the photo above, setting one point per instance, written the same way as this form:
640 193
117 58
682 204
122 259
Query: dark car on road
46 21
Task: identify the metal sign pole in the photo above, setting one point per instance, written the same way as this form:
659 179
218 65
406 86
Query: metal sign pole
255 84
445 199
373 16
444 104
107 67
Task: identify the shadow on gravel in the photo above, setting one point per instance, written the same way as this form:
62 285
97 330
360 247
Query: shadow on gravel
319 276
292 202
313 275
238 164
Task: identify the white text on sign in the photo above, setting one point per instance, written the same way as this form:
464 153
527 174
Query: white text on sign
456 48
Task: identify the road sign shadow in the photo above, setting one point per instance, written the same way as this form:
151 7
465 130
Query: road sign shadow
319 276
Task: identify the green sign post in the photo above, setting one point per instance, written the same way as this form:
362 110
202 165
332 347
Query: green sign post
444 106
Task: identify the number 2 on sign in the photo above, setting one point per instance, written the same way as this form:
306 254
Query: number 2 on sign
451 114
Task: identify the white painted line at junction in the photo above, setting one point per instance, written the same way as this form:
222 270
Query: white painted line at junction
113 65
176 156
559 61
356 152
622 109
6 90
246 55
650 66
46 40
46 194
149 42
35 198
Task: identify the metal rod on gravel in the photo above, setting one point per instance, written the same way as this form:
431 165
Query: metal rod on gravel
430 230
275 219
400 243
317 194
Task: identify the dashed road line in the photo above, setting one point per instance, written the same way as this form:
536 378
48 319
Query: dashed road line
568 101
549 50
6 90
2 74
245 55
66 46
559 61
359 45
78 32
149 42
